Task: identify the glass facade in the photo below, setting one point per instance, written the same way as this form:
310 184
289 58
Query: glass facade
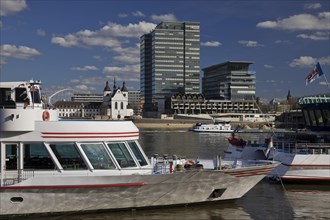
229 81
316 111
170 63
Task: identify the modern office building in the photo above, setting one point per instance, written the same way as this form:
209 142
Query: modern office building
231 80
170 64
134 101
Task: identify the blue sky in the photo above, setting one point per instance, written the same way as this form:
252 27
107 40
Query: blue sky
81 44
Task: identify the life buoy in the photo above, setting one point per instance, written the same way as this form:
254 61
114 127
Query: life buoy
45 116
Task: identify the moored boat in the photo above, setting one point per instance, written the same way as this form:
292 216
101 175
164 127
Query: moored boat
52 166
216 127
301 162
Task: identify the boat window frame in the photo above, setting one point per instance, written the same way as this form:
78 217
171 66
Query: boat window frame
59 163
90 165
49 151
141 151
3 158
137 164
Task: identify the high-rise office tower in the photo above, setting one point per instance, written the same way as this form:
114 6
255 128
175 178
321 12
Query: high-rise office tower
170 63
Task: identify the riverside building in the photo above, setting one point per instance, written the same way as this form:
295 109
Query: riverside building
228 91
170 64
231 80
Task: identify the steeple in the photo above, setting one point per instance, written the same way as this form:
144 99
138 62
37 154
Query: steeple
106 88
289 98
114 84
123 88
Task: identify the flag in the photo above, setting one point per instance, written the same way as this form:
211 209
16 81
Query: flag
316 72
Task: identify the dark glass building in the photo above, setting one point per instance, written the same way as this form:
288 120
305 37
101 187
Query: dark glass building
170 64
231 80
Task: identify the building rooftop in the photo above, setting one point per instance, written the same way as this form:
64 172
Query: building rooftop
226 63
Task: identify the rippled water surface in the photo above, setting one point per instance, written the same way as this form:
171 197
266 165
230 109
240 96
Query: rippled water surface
265 201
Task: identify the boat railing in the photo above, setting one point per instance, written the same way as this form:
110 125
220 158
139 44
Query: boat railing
303 148
17 176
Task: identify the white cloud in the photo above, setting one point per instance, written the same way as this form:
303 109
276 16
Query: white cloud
82 87
106 36
250 43
113 37
122 15
8 7
87 83
19 52
128 58
66 41
267 66
282 42
316 36
124 69
131 30
85 68
211 44
312 5
98 58
165 17
299 22
138 14
41 32
308 61
124 73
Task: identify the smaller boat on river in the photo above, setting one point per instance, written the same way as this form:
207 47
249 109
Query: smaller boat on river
216 127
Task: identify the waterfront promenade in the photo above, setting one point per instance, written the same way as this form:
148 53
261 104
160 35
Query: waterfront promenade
153 123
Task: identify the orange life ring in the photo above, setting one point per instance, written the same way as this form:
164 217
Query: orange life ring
45 116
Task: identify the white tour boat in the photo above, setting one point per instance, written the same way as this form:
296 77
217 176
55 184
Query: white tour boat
51 166
216 127
300 162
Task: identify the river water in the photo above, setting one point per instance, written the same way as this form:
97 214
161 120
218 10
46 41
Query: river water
265 201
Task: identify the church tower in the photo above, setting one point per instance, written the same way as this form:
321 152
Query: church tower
106 105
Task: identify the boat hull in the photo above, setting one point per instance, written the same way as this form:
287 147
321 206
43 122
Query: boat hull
294 168
127 191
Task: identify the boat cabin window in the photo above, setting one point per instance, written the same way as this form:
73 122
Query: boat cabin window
21 95
35 94
138 154
122 155
5 98
98 156
68 156
37 157
11 156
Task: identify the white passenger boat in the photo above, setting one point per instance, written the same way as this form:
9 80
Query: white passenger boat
53 166
300 162
216 127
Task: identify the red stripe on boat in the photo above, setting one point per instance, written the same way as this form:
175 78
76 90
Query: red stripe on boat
76 186
123 136
306 165
92 133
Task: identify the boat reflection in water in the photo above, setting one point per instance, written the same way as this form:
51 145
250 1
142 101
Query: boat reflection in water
200 212
309 201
